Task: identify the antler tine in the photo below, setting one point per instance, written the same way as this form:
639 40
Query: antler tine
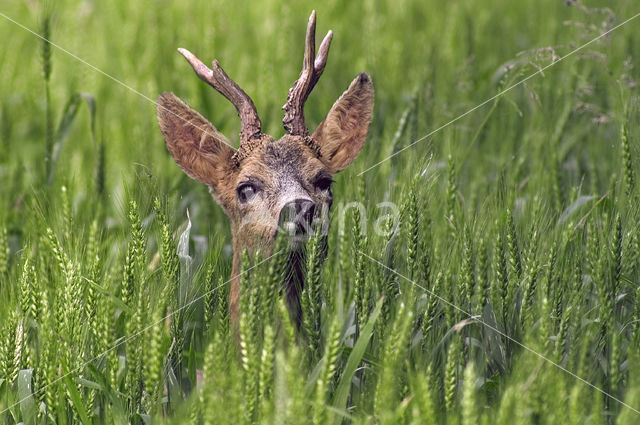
219 80
310 44
312 68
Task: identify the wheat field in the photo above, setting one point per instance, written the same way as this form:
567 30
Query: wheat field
484 250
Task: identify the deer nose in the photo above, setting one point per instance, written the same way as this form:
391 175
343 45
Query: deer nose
296 216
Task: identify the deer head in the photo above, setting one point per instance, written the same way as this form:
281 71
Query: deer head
266 179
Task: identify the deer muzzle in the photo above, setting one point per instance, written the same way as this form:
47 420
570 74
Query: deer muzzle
296 219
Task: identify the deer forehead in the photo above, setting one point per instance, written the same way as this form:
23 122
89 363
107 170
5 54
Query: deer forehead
287 164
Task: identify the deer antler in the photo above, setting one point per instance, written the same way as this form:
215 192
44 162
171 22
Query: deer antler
215 76
312 67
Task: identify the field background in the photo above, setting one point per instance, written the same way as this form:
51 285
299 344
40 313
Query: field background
521 217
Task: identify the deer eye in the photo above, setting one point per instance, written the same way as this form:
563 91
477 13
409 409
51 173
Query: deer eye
246 192
323 183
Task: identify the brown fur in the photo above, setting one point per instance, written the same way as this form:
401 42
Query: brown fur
341 134
284 169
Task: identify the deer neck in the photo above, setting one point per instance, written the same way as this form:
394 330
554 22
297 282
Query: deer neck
293 277
241 242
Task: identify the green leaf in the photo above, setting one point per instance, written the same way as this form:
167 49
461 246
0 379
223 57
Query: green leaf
76 399
574 207
183 248
28 406
66 123
173 388
89 384
115 406
138 417
342 391
313 377
112 297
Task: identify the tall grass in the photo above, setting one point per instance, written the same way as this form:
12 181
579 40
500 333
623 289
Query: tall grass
518 224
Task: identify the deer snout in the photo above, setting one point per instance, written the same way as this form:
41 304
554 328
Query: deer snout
296 217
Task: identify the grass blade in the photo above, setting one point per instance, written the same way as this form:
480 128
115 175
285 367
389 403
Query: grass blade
76 399
28 406
342 391
65 125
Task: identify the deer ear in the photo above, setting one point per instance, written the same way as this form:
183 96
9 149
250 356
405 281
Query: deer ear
198 148
342 133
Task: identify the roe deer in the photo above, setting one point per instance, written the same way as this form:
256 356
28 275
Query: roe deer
267 179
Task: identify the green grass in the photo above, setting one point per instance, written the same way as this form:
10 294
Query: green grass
518 223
